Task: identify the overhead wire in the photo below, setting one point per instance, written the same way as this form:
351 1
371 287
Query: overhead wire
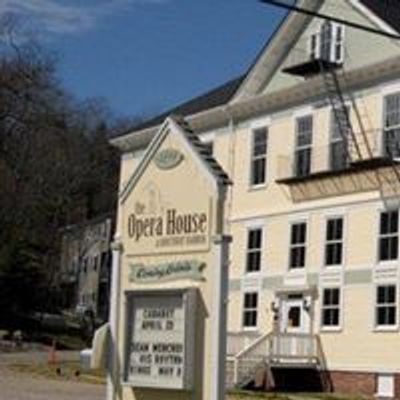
356 25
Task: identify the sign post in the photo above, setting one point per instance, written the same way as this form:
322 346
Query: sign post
168 311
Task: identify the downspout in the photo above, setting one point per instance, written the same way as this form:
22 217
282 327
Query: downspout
231 164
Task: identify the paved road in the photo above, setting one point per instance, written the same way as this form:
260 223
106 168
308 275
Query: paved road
21 386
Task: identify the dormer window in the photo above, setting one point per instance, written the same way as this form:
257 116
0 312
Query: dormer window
328 43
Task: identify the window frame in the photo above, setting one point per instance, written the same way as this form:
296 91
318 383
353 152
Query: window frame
339 306
315 43
254 158
378 251
386 327
333 125
298 148
392 384
297 245
334 241
250 310
336 42
385 129
249 250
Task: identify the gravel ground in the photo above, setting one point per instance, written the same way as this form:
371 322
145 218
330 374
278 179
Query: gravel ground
20 386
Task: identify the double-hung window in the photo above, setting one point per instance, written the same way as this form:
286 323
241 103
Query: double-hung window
259 156
339 139
250 305
254 250
328 44
304 131
391 133
334 241
330 313
297 251
388 236
386 306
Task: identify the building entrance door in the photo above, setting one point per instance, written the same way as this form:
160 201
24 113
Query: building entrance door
295 328
295 318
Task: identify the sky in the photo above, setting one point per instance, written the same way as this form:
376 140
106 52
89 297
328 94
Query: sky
145 56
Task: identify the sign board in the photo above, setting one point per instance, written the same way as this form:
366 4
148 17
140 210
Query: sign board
171 268
159 339
168 230
168 271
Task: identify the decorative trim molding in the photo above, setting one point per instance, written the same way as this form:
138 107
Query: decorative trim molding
305 92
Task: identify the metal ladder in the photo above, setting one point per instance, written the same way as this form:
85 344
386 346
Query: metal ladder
341 113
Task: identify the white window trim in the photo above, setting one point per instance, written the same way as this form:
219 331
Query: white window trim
392 384
247 230
262 185
385 90
328 217
298 148
333 329
291 223
390 88
395 90
250 328
317 34
385 328
303 112
259 123
378 262
334 40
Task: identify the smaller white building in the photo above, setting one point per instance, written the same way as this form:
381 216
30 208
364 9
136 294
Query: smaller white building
85 267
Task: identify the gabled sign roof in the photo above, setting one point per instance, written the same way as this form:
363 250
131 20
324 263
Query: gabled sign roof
178 125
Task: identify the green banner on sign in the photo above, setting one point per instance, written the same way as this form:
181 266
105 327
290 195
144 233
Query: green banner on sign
188 269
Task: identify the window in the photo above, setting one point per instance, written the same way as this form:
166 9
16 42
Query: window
339 135
297 250
95 263
259 156
330 308
334 241
304 130
250 303
85 265
391 134
385 314
385 386
254 248
314 51
338 43
389 236
328 43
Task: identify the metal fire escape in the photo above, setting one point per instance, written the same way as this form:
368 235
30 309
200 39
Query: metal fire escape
328 65
357 145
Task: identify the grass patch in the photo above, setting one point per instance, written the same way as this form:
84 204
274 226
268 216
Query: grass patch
70 371
245 395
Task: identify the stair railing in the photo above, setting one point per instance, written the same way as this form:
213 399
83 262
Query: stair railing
249 359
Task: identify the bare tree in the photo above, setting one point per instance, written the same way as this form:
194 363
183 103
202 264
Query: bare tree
56 166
